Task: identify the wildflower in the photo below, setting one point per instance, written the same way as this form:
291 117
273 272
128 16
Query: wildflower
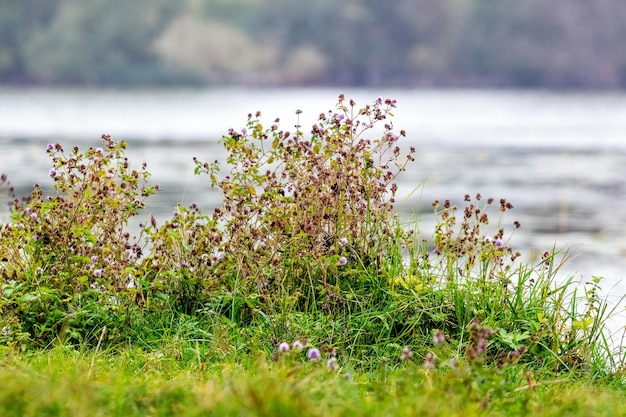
313 354
283 347
429 362
98 273
49 147
498 243
297 345
99 150
343 242
94 259
33 216
332 364
406 353
53 173
438 337
343 261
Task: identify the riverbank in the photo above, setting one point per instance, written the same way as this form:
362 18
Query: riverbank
304 277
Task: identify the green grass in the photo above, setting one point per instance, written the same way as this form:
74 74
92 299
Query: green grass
133 382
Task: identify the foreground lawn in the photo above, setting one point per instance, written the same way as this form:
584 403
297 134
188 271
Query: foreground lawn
64 382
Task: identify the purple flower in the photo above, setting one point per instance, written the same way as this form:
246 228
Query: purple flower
297 345
283 347
94 259
342 261
406 353
332 364
50 147
53 172
98 273
498 243
343 242
33 216
313 354
438 337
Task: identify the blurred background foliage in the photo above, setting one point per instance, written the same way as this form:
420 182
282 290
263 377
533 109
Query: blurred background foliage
516 43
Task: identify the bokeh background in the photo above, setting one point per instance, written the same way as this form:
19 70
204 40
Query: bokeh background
519 99
407 43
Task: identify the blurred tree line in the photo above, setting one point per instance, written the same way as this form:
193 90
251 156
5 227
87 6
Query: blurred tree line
520 43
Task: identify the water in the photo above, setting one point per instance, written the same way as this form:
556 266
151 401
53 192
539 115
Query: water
560 158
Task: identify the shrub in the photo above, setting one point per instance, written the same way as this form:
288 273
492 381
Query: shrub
296 211
64 251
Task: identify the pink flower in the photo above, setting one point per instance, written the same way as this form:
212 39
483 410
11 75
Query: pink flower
429 363
406 353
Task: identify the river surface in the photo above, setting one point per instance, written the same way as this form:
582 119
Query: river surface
559 157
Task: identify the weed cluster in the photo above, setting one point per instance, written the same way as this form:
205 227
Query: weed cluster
299 214
65 252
